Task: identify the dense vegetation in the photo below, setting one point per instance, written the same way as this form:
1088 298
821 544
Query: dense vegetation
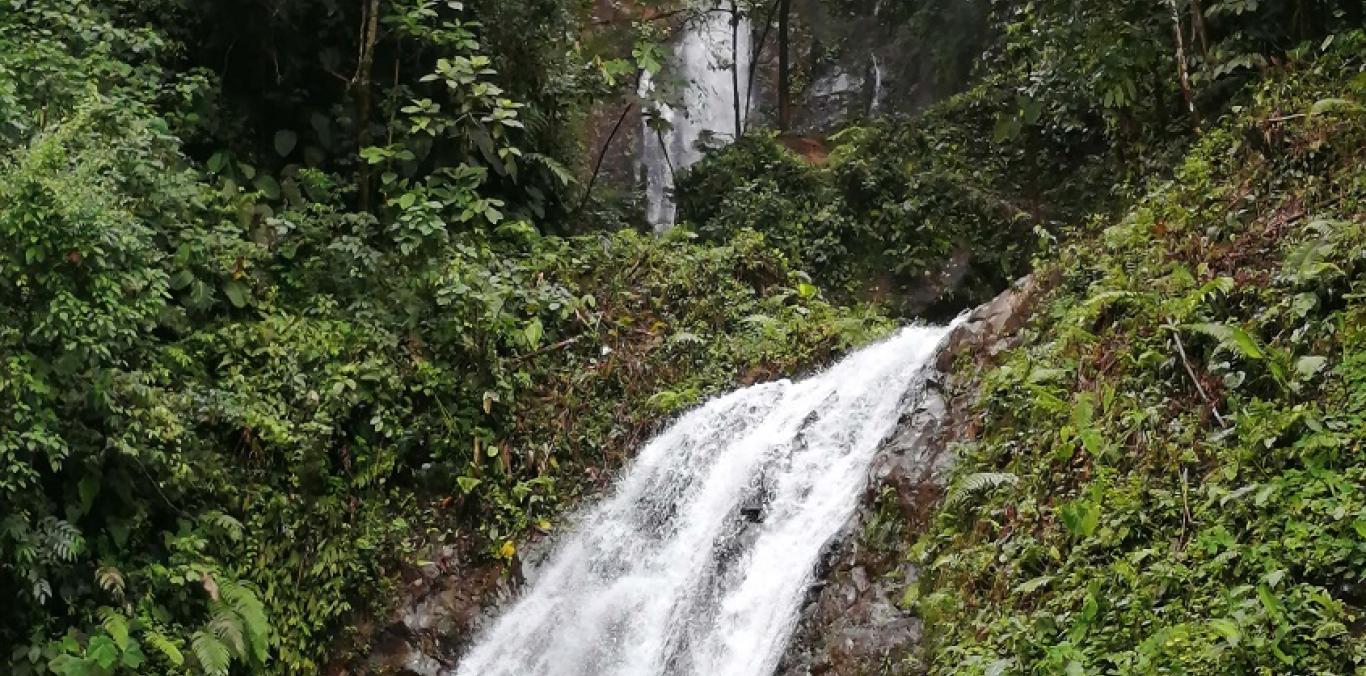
1166 475
291 287
232 397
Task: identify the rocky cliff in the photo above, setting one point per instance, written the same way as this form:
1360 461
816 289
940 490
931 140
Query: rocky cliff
854 621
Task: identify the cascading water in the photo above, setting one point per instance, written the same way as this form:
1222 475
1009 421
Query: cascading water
698 561
876 104
707 62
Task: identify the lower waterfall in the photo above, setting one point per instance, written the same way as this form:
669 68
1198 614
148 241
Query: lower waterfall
698 560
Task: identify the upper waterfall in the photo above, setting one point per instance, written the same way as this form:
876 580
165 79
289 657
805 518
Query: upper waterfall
698 560
710 57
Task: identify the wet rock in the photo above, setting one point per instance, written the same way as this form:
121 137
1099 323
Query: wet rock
443 603
532 555
852 622
986 330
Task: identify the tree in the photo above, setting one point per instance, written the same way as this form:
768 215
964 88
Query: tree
784 65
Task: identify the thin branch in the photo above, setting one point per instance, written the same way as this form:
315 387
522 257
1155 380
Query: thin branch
1186 519
393 97
548 348
1284 118
661 16
1182 67
673 175
756 52
602 155
1181 349
784 68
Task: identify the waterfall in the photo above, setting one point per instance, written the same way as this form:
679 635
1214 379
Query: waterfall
698 561
701 62
876 103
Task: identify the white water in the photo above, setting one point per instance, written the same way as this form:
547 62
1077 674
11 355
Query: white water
667 575
876 103
702 63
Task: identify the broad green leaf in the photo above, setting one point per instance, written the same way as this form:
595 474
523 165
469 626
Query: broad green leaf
1308 366
236 292
103 651
1231 338
1031 586
267 185
181 279
1334 105
533 332
1228 629
285 140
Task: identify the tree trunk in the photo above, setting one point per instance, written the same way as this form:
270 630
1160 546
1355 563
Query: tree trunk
735 65
1201 36
756 53
784 66
1183 69
362 83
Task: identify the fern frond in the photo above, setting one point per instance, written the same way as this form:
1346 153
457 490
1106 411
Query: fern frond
111 580
64 541
114 624
212 655
226 523
165 646
227 626
244 600
557 169
41 591
975 484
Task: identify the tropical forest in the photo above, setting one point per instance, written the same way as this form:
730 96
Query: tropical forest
682 337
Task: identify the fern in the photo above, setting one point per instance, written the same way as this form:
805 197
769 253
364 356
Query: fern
14 527
165 646
212 655
41 591
557 169
64 541
248 607
115 625
111 580
227 626
978 483
229 525
1231 338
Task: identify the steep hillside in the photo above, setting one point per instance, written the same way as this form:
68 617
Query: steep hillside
1166 476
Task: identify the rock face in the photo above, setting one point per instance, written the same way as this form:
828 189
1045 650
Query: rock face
442 605
863 60
853 622
871 58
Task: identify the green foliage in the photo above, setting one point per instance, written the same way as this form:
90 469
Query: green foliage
231 402
902 205
1117 62
1184 419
